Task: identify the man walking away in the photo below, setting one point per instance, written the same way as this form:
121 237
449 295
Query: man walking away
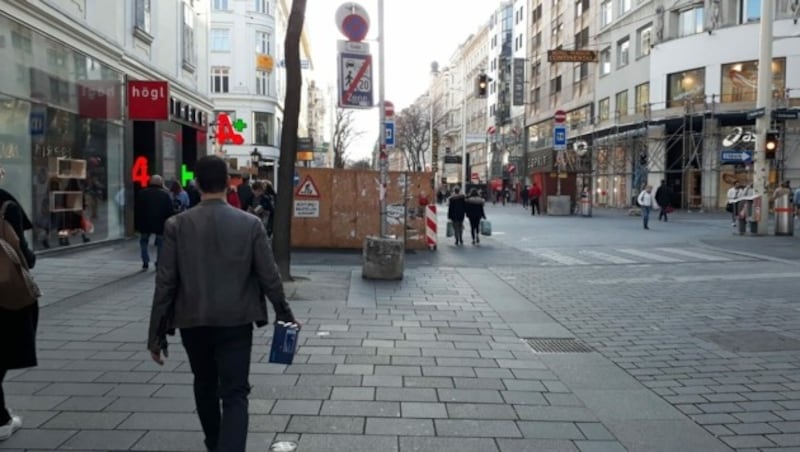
216 267
664 200
245 193
524 195
456 211
645 201
534 194
473 206
153 207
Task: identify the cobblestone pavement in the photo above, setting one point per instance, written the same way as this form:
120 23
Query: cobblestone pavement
719 341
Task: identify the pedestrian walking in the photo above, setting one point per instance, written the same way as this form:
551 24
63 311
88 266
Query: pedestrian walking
534 194
474 212
216 268
664 200
525 196
731 200
153 207
18 318
646 203
456 211
245 193
796 203
180 199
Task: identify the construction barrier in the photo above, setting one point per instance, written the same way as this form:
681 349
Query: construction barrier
430 226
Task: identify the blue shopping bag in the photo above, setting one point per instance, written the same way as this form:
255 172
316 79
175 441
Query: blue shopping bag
450 230
486 227
284 343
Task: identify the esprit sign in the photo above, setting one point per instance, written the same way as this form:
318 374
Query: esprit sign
739 135
148 100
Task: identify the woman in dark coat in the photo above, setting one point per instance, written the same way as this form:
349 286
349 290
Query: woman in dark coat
455 213
17 328
474 210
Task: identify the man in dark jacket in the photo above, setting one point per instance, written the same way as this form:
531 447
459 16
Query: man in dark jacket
456 212
216 268
663 199
153 207
246 194
194 194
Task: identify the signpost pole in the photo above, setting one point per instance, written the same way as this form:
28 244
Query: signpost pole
763 100
384 160
464 128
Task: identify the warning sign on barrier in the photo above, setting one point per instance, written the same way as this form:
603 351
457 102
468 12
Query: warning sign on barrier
307 189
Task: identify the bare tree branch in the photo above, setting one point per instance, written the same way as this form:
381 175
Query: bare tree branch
344 134
413 135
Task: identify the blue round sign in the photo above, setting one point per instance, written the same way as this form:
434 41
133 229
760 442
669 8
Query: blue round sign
355 27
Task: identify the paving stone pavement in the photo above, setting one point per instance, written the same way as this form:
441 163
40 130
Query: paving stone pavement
719 341
432 363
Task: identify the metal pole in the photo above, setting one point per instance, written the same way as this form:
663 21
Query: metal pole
384 161
430 140
464 129
763 100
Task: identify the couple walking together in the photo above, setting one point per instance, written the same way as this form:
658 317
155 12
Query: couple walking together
470 207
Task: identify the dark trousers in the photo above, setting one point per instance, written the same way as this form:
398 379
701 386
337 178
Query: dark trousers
474 229
144 243
662 213
535 206
5 416
220 361
524 203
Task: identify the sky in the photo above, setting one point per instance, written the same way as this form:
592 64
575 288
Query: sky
418 32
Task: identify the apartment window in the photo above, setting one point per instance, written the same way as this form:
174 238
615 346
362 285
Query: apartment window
262 6
581 7
220 5
263 128
604 109
580 72
262 83
749 11
642 97
188 36
220 40
624 6
555 85
582 38
537 13
263 42
142 18
536 40
623 52
605 61
690 21
535 96
606 13
557 25
621 107
220 79
644 40
536 68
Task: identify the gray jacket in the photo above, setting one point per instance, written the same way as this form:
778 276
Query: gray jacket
215 268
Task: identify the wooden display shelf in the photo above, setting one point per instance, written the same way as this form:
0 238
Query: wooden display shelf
63 168
66 201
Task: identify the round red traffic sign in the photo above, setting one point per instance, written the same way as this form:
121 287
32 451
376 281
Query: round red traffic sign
388 108
355 27
560 116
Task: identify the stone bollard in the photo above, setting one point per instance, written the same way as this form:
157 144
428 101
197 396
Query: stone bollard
384 259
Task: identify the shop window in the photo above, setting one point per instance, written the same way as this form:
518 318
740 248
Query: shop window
642 97
621 104
691 21
740 80
142 16
644 40
188 47
220 79
686 86
604 109
263 128
623 52
220 40
605 61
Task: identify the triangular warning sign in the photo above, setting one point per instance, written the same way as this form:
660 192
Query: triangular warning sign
308 189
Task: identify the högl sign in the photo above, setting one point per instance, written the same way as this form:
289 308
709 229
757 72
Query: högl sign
148 100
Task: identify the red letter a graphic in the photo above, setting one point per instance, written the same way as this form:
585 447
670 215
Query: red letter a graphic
225 131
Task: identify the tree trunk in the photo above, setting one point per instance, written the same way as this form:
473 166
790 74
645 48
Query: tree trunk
282 238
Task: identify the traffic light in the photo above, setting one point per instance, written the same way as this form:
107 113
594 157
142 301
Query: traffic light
483 84
771 144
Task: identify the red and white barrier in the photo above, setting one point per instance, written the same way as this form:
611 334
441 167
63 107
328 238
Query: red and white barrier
430 226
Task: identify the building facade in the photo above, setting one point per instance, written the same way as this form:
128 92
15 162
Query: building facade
501 43
243 62
74 148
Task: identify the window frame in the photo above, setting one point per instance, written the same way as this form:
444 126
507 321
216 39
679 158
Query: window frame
623 56
641 49
213 40
224 75
617 97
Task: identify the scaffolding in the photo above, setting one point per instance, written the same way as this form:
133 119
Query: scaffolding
682 146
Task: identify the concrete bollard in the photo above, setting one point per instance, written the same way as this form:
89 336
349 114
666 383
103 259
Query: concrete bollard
383 259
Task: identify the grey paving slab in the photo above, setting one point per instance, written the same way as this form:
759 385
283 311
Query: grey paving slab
76 420
480 411
360 408
664 435
170 441
430 444
103 440
627 404
37 439
400 427
161 421
477 428
355 443
326 424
